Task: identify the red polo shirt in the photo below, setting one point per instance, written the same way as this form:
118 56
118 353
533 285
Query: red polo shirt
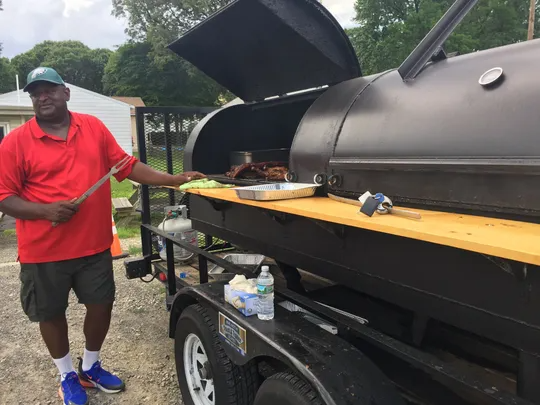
42 168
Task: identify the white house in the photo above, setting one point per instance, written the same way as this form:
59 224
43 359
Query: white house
16 109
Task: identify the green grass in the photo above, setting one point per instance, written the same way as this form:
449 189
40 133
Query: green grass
135 251
160 163
119 190
128 232
10 232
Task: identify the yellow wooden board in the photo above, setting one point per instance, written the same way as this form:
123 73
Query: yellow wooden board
513 240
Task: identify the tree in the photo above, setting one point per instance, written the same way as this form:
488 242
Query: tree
166 18
157 23
7 72
74 61
390 29
7 76
0 42
132 71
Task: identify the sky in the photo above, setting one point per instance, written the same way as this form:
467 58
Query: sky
25 23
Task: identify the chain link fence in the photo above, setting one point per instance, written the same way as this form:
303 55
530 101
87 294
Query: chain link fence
165 131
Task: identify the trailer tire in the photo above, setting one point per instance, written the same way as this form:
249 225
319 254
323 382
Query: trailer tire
286 389
232 384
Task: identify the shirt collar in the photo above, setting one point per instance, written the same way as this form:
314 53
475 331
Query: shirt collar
39 133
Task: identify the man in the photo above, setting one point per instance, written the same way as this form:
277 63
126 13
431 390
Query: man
46 164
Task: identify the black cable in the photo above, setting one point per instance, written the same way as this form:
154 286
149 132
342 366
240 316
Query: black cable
149 281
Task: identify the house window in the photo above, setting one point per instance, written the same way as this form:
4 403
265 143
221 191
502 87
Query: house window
4 129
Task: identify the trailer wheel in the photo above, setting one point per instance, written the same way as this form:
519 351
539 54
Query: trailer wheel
286 389
205 373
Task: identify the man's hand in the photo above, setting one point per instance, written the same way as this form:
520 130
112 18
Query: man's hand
60 211
186 177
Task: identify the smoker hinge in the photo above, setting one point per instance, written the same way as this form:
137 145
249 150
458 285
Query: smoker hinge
334 229
518 269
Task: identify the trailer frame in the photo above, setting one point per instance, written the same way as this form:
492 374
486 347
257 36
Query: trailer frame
271 341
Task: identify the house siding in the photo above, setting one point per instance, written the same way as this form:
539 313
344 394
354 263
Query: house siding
13 120
115 115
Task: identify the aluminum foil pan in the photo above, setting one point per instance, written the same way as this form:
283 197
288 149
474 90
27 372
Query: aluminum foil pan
250 261
278 191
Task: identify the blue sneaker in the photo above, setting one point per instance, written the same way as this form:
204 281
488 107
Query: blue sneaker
101 379
71 390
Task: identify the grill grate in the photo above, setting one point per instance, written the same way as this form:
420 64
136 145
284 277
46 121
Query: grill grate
239 182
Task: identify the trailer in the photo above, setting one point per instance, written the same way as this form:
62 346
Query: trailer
369 310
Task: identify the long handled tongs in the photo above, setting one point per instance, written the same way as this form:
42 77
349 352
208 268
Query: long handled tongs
115 169
385 206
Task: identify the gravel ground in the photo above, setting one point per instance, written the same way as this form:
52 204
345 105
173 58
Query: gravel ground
137 347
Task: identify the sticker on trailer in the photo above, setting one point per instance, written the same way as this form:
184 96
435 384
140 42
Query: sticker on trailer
233 334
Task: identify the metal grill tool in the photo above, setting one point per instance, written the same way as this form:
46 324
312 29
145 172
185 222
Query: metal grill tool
115 169
385 205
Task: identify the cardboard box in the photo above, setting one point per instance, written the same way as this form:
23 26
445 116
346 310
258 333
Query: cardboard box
244 302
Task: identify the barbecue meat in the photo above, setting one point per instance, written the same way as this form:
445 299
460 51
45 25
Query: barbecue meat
274 171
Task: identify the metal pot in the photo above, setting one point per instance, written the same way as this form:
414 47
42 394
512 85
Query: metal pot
238 158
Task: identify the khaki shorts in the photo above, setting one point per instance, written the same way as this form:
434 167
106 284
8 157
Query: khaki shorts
45 286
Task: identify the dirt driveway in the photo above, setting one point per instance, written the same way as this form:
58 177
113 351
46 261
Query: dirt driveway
137 347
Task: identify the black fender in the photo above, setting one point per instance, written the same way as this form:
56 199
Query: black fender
337 371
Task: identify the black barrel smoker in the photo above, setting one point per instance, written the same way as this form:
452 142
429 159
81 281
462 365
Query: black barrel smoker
444 133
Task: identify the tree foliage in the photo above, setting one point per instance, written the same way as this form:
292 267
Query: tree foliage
7 76
132 71
390 29
0 42
157 23
165 18
7 72
74 61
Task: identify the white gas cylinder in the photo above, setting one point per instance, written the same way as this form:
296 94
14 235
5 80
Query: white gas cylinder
177 224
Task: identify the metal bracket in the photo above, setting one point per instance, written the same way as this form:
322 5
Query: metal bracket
517 269
279 217
218 205
439 55
335 229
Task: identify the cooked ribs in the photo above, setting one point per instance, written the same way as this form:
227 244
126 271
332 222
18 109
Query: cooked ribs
273 171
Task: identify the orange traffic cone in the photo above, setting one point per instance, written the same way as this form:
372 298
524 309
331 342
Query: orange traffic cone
116 249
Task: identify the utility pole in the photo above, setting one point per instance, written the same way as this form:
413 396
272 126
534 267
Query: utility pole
532 13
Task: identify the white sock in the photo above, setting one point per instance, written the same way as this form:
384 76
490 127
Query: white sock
65 365
89 359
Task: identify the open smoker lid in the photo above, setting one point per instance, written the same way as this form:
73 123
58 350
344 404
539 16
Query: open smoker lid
263 48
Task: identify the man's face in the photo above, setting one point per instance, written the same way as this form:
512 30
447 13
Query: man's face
49 100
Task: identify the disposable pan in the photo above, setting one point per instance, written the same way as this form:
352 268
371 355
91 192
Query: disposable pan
250 261
277 191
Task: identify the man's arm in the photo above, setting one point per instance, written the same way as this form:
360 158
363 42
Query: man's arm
138 171
144 174
16 207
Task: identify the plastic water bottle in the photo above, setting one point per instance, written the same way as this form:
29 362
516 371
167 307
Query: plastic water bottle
265 293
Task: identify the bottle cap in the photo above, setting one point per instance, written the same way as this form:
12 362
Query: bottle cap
265 268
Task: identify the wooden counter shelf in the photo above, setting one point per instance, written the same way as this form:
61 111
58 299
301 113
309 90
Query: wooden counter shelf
507 239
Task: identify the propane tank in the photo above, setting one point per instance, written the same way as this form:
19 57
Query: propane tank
177 224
